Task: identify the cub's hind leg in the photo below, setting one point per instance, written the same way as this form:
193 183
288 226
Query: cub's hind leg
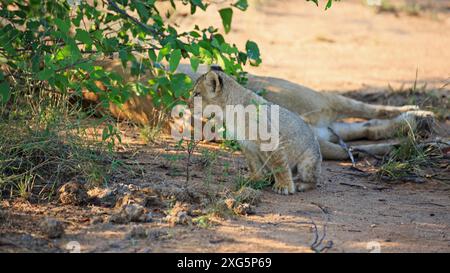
308 172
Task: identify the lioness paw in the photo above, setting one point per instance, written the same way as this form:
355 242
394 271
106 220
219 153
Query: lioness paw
423 121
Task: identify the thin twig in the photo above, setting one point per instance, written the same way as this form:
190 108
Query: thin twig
367 153
344 146
315 246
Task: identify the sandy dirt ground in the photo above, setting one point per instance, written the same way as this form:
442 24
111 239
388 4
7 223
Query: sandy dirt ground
348 48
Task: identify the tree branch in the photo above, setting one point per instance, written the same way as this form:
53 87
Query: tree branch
113 5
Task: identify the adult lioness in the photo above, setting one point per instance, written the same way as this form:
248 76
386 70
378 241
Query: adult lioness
296 157
321 110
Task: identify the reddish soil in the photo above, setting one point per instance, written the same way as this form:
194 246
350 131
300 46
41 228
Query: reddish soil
349 47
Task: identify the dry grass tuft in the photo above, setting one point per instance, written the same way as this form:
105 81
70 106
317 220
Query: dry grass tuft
45 141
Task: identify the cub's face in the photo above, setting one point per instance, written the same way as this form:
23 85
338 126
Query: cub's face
210 88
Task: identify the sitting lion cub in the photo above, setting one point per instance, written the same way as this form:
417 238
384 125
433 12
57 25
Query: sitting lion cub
297 157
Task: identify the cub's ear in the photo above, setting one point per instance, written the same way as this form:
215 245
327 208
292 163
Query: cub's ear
214 82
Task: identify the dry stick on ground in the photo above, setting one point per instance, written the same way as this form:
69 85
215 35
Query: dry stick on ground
317 242
349 151
344 146
367 153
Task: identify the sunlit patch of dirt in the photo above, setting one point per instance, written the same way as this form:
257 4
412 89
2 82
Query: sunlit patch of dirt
349 47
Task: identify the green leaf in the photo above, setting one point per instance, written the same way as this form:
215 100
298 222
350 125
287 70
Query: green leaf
142 11
215 43
163 52
4 92
180 84
194 63
329 3
63 53
123 55
253 53
110 44
194 34
152 55
315 1
226 14
105 133
194 49
83 36
64 26
45 74
206 56
87 66
199 3
174 60
241 4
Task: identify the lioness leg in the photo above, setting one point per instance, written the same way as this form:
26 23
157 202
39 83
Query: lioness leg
376 129
333 151
347 107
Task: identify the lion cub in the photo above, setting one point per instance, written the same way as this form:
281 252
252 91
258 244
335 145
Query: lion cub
295 163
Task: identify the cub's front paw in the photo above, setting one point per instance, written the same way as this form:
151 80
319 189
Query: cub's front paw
283 189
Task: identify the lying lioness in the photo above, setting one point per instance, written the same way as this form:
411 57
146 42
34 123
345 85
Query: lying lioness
320 109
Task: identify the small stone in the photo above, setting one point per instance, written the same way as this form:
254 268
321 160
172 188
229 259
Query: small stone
230 203
137 232
72 193
156 234
146 197
182 218
178 207
134 212
244 209
145 250
119 218
96 220
52 228
123 201
130 213
148 217
153 201
197 212
180 214
102 196
2 215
